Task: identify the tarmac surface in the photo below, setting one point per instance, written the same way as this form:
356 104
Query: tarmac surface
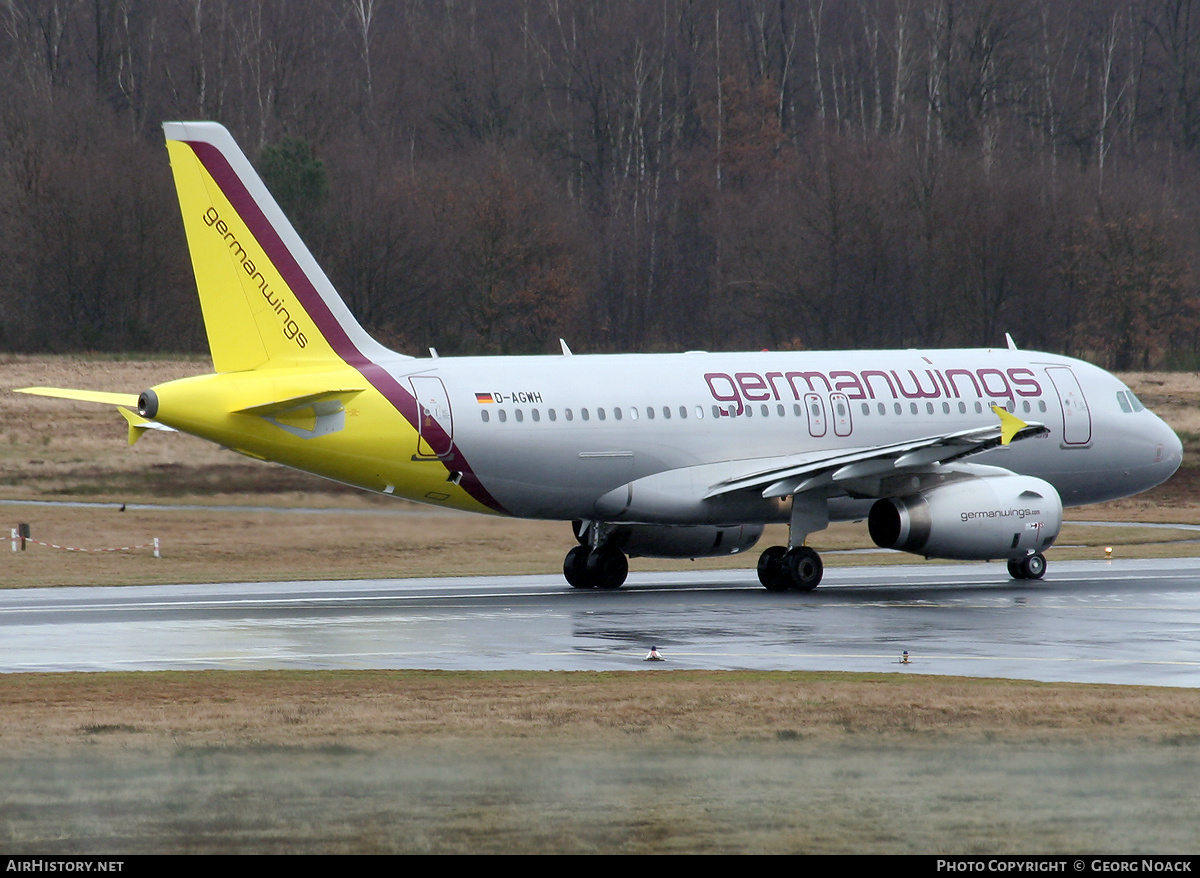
1128 622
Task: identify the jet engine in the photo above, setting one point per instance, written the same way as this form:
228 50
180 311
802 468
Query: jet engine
1004 516
691 541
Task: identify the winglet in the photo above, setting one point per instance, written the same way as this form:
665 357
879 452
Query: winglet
1010 424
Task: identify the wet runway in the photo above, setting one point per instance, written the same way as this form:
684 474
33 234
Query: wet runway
1132 622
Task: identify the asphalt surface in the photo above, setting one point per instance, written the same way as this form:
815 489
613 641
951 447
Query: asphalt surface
1129 622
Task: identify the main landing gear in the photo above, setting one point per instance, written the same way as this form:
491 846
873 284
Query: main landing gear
1030 567
796 569
602 567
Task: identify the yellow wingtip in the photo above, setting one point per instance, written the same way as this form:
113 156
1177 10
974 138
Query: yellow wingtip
1010 424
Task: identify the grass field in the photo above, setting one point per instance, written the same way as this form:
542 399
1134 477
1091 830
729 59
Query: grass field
644 762
655 761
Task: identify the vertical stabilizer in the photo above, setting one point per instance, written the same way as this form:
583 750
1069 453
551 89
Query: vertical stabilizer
265 299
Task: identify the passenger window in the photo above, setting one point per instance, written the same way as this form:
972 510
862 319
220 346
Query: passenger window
484 414
929 408
683 411
617 413
503 416
600 413
537 415
882 409
569 415
553 415
766 412
700 411
520 415
633 415
912 407
666 411
866 409
650 412
945 408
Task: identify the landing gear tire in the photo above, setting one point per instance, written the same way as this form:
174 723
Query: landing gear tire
770 569
1034 566
575 567
803 567
1029 567
606 567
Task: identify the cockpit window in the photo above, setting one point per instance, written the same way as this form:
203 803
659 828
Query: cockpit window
1129 402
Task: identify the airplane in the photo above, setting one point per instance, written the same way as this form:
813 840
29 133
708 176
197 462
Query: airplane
958 454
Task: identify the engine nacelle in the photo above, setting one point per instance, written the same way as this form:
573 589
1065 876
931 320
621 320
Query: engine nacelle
690 541
974 519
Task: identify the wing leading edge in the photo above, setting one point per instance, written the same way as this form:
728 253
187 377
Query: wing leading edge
779 477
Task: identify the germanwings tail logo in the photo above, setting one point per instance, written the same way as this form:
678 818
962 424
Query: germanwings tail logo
265 298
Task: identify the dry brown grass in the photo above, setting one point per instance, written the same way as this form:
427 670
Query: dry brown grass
656 761
380 710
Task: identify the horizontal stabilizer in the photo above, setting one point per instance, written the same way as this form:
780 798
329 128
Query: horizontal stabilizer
126 404
281 406
139 425
129 400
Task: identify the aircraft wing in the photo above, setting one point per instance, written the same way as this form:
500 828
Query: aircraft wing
779 477
126 404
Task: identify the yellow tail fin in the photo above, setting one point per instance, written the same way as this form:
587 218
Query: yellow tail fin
265 300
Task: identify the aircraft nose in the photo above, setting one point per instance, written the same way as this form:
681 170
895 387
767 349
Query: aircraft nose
1168 451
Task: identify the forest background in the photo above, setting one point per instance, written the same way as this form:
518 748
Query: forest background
488 175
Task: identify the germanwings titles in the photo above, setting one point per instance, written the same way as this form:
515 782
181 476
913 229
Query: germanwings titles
968 454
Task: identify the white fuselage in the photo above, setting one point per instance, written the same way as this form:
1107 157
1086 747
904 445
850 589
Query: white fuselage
548 436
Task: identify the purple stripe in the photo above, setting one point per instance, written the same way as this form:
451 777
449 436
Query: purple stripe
310 300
